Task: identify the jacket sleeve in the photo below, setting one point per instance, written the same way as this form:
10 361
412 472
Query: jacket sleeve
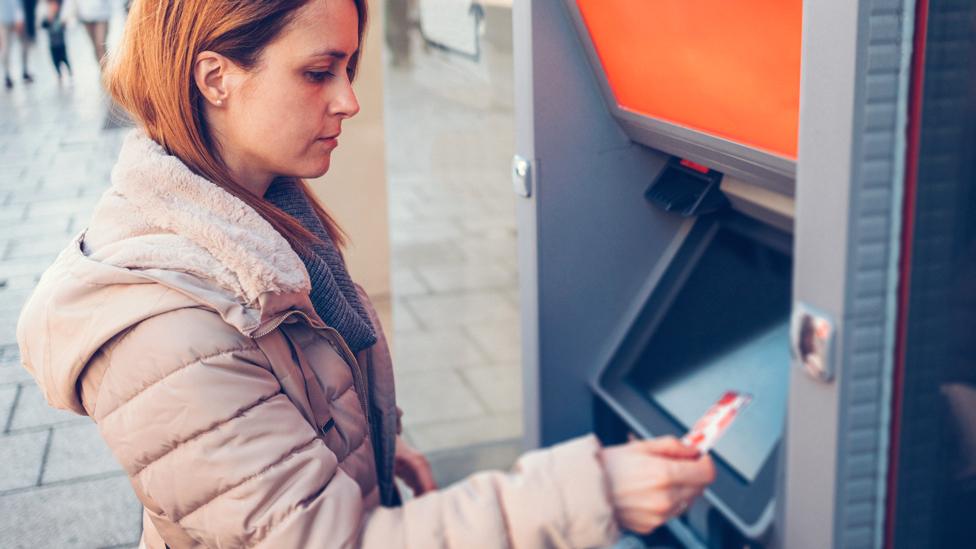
554 497
220 457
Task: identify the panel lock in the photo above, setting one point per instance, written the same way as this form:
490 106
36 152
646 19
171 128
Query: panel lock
811 338
522 176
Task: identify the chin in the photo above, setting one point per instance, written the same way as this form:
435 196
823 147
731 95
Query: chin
315 170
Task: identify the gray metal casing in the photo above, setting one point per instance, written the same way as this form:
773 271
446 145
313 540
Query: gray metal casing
588 245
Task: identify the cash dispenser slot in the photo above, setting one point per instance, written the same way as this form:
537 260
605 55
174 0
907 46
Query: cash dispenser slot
715 317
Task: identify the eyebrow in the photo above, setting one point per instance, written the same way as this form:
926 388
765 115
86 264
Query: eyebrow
338 54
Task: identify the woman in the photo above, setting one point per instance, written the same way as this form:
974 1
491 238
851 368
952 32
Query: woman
207 324
11 25
94 15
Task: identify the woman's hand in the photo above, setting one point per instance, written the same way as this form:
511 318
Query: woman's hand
412 467
652 481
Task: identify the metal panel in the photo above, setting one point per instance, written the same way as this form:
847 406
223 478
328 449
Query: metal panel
580 229
856 58
526 219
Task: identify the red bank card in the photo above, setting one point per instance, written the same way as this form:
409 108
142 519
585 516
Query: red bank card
710 427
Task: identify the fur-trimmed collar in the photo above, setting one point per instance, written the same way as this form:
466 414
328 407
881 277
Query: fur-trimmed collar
158 214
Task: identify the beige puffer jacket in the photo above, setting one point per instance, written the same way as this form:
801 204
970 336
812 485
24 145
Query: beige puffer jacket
180 322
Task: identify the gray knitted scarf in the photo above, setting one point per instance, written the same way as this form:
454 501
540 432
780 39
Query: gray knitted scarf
333 293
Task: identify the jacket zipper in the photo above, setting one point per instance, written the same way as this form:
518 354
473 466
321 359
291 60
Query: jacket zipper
358 381
358 377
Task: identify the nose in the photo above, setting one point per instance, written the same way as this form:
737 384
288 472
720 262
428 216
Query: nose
345 104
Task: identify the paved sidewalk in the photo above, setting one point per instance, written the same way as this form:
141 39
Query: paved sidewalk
59 485
450 140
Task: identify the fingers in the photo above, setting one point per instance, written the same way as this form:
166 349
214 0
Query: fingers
639 521
691 472
425 478
414 469
655 480
668 447
681 499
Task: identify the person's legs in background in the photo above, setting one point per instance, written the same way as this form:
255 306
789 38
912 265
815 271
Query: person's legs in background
25 44
59 54
98 33
5 32
28 35
30 19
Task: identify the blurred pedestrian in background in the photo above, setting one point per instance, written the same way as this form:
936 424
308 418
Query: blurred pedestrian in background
397 30
54 25
30 19
11 25
94 15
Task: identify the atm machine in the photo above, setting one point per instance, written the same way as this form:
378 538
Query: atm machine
747 196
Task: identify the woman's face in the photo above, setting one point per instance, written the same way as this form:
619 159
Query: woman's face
283 117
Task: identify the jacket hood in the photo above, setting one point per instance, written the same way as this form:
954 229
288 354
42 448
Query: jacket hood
161 238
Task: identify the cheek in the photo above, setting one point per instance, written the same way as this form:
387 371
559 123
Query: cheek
283 122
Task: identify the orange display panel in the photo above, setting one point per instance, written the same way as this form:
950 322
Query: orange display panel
729 68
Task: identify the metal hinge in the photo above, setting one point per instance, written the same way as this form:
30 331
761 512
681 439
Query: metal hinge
522 176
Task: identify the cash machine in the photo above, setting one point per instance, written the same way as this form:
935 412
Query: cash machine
713 198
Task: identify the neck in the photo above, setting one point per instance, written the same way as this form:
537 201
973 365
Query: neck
255 181
241 170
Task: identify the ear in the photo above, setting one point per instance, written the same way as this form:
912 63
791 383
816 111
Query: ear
211 72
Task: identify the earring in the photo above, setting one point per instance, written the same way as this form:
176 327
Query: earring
220 102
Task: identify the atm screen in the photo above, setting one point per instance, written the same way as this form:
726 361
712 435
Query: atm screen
728 69
726 328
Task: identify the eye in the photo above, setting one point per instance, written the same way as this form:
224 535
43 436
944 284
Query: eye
317 76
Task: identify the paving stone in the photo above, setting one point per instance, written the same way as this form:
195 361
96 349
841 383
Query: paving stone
403 319
454 464
499 388
8 330
12 301
8 393
424 230
491 249
33 411
77 451
90 514
495 226
435 395
465 431
38 227
65 207
468 276
406 282
471 307
21 455
12 214
11 374
9 353
435 349
29 198
501 341
45 249
442 252
21 282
